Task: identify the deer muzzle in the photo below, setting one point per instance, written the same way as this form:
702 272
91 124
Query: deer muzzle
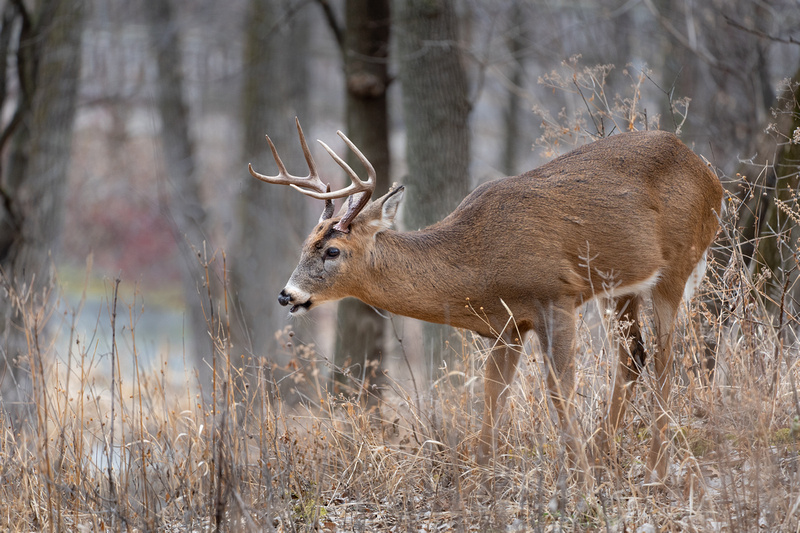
301 301
284 299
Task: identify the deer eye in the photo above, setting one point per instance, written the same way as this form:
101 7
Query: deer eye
332 252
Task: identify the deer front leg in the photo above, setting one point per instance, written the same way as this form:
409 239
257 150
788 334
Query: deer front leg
498 375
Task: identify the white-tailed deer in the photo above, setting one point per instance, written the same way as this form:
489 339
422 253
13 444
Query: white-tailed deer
624 217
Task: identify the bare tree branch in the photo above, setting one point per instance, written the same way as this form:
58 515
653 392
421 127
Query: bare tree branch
334 24
23 11
701 52
759 33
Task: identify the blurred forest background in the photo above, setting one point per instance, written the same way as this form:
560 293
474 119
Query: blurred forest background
127 127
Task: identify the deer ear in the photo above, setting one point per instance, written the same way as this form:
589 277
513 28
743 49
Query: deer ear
390 204
381 213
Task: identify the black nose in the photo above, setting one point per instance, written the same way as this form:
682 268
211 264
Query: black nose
284 298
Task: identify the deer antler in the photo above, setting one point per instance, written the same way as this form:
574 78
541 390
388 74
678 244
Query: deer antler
305 184
310 182
359 191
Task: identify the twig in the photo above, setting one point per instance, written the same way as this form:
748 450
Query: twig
759 33
111 486
598 126
703 54
779 341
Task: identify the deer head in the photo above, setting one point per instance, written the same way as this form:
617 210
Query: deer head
338 245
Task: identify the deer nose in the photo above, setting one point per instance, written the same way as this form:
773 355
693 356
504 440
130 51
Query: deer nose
284 298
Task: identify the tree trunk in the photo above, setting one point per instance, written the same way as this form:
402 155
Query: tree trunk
271 220
516 39
360 329
180 194
768 233
764 236
436 110
34 181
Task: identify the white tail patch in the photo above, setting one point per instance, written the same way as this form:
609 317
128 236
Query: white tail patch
643 287
695 279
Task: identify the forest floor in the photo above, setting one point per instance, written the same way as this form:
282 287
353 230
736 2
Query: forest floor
115 440
116 430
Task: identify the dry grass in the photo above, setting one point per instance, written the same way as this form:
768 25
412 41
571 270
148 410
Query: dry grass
106 443
137 452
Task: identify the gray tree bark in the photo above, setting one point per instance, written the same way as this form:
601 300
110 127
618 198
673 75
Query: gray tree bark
37 142
271 220
516 38
180 193
436 109
767 232
360 329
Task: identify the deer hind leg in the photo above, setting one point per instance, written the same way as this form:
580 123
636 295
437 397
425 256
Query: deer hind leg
665 309
632 358
557 336
497 378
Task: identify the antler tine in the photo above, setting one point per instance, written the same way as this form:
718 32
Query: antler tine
358 185
308 185
359 191
312 166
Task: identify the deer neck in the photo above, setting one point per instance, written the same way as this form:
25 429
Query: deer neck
418 274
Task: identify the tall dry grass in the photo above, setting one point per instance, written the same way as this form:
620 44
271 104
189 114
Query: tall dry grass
123 445
132 449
